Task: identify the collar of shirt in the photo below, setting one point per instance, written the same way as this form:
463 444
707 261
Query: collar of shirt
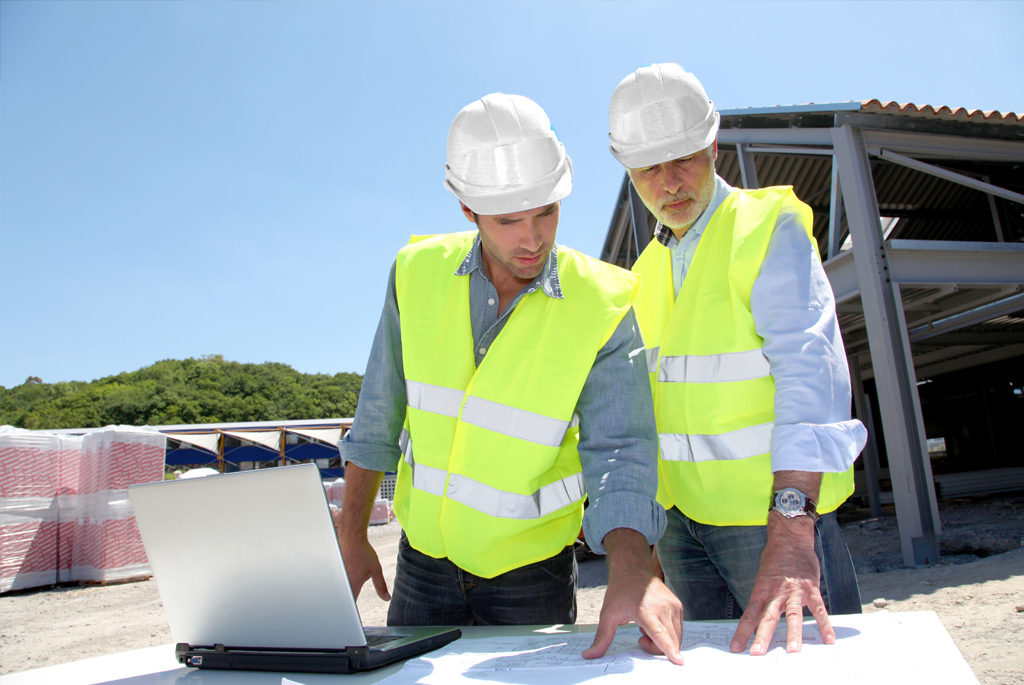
547 280
664 234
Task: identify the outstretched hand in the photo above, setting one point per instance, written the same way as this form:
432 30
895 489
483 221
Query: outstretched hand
361 561
635 593
787 580
362 564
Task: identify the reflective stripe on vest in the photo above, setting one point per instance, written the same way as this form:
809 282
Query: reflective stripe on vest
714 368
500 418
652 359
434 398
510 505
737 444
491 501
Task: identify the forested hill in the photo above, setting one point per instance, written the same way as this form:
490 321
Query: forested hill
205 390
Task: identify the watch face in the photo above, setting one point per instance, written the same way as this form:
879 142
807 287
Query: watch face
789 501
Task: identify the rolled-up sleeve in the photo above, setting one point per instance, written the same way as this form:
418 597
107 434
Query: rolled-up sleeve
619 442
372 442
794 311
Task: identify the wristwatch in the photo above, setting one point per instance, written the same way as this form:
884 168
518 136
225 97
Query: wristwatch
791 503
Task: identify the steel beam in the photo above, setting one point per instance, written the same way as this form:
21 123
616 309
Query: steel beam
748 170
971 317
784 150
842 276
932 145
835 212
619 227
639 213
924 145
969 360
996 223
870 455
910 470
951 176
983 338
944 261
819 137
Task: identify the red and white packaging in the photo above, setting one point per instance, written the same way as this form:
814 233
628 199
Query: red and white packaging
36 473
335 491
106 545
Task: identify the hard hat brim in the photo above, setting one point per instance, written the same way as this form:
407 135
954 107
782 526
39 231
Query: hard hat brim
650 154
488 201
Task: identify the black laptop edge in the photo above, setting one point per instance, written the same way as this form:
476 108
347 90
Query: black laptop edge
348 660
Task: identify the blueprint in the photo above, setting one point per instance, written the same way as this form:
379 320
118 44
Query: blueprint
902 647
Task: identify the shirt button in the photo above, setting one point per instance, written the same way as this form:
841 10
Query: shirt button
490 301
482 350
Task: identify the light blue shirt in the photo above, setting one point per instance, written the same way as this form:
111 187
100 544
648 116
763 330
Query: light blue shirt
794 311
618 439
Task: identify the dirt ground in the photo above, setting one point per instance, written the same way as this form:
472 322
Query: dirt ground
977 590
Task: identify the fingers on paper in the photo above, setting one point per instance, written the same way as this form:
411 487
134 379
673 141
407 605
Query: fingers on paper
602 640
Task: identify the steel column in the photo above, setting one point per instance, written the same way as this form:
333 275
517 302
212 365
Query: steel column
748 170
639 214
996 223
909 468
870 455
835 212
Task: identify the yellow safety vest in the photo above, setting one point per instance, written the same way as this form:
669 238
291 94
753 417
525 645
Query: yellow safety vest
491 478
714 396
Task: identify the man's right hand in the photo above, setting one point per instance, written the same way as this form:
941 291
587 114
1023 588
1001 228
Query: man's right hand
362 564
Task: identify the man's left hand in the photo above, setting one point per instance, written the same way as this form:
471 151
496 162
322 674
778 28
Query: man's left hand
634 593
787 580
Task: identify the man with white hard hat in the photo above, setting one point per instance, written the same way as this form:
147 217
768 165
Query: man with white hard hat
750 380
505 385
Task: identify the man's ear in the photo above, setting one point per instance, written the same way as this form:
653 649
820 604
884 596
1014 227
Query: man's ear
467 212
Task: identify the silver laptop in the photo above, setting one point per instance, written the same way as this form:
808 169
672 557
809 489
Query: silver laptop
251 576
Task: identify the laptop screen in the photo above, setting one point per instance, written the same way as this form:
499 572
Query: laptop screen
248 559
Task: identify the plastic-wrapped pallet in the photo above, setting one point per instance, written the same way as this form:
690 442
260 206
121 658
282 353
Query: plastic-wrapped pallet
106 543
35 530
335 491
380 513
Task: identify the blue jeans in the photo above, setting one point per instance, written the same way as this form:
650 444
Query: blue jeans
431 591
712 568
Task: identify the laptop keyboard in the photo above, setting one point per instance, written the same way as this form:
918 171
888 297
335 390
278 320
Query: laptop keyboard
378 639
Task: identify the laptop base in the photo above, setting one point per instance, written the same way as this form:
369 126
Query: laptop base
348 660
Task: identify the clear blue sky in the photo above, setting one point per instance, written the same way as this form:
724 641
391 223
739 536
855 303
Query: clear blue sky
188 178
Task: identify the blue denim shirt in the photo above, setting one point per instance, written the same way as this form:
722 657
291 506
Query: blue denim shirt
795 312
618 439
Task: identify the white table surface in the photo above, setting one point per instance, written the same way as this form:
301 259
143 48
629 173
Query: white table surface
879 647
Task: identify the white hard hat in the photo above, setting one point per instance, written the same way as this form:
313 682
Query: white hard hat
503 156
658 113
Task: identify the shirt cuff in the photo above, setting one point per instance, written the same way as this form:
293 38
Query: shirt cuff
370 455
824 448
622 510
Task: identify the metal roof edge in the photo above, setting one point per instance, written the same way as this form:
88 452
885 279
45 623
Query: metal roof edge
848 106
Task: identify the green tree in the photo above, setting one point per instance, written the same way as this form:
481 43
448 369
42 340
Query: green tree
196 390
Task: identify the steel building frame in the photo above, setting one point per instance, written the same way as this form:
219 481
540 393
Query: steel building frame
890 292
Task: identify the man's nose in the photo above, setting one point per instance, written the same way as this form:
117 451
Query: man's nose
672 178
531 236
